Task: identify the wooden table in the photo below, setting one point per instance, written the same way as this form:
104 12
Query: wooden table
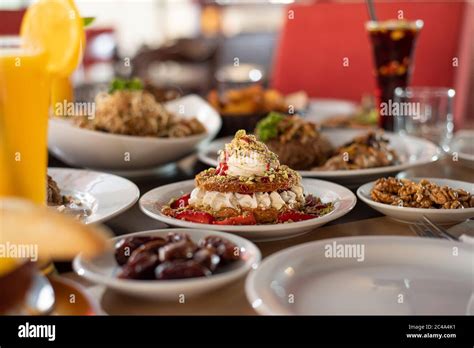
231 300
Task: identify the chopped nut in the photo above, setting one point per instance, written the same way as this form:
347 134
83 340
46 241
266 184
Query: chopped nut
425 194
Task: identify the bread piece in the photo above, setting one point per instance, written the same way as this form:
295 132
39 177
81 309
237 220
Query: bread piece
57 236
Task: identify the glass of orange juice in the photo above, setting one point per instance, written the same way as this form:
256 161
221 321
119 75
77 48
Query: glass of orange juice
24 107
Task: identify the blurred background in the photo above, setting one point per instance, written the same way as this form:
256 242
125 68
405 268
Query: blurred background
320 47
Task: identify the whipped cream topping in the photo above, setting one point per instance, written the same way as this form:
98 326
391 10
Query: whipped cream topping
219 200
245 156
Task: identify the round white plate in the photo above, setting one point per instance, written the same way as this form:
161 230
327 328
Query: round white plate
396 276
105 195
344 200
462 146
98 150
103 270
413 151
322 108
411 215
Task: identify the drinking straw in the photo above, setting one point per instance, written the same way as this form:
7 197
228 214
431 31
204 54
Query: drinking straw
371 10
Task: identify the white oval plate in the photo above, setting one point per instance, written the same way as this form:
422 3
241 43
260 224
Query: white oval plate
344 200
398 276
103 270
98 150
414 152
411 215
106 195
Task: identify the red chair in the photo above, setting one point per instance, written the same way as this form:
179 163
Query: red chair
314 44
10 21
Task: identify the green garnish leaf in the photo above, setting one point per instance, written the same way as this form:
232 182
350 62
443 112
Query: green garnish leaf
120 84
117 84
267 128
86 21
135 84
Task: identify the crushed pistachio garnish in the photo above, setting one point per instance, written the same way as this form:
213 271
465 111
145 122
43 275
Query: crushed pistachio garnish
245 145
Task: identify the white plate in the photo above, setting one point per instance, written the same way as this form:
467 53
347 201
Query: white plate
462 145
413 151
322 108
410 215
98 150
103 270
398 276
106 195
344 200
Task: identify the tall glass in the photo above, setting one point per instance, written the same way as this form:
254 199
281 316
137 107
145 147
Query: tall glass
24 104
393 44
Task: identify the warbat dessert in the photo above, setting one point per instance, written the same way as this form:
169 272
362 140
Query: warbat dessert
248 187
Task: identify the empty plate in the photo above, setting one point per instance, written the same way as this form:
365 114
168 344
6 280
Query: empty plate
366 276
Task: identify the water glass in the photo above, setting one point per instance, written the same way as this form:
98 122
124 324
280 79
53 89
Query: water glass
425 112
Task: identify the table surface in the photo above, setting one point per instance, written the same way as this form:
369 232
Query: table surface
231 300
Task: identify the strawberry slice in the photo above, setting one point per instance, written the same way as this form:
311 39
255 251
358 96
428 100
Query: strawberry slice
195 216
246 219
222 169
181 202
294 216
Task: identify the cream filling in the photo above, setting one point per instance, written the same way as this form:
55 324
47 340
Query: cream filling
219 200
246 163
245 166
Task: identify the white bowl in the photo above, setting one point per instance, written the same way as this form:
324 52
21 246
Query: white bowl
411 215
413 151
103 270
369 275
105 195
344 200
99 150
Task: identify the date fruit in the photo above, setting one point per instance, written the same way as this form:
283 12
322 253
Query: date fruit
207 257
227 250
125 247
152 246
142 267
179 250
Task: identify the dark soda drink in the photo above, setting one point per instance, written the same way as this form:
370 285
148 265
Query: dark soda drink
393 43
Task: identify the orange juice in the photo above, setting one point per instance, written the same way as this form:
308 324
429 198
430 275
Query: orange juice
61 91
56 27
24 105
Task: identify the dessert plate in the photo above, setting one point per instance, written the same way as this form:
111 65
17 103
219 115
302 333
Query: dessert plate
344 200
412 215
413 152
395 276
103 269
113 152
102 195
